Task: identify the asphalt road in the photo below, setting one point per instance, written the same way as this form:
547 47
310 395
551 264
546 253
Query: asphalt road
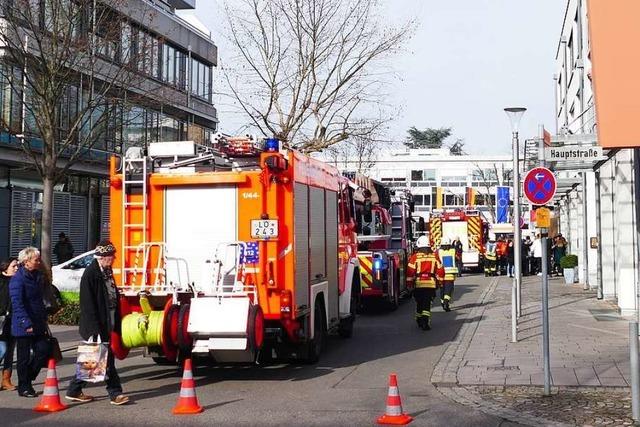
347 387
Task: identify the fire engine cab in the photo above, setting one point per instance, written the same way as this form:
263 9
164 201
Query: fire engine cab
240 250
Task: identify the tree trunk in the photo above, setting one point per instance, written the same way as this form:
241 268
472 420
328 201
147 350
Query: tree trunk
47 216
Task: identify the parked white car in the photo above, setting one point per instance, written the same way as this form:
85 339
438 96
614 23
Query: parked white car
66 276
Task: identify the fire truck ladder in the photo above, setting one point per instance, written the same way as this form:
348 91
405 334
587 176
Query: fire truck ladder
134 173
397 226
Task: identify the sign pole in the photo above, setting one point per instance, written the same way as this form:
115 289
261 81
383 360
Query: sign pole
517 232
545 290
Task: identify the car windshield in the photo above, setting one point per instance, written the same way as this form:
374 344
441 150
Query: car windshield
81 262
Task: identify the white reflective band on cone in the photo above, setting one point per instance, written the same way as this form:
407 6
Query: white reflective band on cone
188 375
188 392
50 391
393 391
393 411
51 373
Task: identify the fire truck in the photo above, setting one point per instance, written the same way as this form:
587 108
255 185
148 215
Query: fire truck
384 240
239 251
466 224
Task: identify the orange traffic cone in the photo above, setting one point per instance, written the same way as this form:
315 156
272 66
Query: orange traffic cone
187 402
51 396
394 415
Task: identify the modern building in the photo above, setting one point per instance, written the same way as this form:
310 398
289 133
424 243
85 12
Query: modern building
597 213
178 63
422 170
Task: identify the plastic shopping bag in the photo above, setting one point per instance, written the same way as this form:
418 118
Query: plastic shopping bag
91 365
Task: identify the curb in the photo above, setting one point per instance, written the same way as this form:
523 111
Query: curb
445 373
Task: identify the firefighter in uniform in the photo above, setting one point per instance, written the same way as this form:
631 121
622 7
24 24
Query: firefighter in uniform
447 254
425 271
490 259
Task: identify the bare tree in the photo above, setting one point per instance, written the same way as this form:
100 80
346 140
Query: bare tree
66 69
358 154
489 178
311 69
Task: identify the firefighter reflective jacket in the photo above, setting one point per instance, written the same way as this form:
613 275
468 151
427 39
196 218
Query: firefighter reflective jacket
490 253
425 269
448 258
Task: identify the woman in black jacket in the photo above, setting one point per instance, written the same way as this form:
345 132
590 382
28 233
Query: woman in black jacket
7 343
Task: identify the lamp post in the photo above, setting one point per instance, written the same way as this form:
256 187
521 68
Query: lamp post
515 115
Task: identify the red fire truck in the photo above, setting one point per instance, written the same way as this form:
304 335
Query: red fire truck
234 251
384 240
466 224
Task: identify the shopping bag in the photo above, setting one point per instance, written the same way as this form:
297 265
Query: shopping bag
91 365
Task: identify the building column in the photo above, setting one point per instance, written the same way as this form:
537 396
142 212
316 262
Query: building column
607 234
624 220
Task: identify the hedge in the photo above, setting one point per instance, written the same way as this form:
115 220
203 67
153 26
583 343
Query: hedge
569 261
70 312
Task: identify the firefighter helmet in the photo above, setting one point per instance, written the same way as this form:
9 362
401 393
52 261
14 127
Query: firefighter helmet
423 242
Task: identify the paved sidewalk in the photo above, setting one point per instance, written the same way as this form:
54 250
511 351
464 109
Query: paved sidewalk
589 358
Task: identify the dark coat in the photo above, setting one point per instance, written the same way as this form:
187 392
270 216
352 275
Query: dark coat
63 250
28 310
94 305
5 305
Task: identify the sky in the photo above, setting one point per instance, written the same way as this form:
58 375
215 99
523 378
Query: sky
467 61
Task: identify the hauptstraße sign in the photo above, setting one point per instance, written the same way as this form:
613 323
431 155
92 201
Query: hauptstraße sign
573 153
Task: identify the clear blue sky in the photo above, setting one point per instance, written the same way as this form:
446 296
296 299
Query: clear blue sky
467 61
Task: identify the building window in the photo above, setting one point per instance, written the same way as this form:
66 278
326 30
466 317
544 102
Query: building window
416 175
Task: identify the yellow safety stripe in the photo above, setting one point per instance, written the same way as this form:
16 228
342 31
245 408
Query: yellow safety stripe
474 230
435 227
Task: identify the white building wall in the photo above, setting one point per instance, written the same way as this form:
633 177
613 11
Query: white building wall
624 232
607 230
592 229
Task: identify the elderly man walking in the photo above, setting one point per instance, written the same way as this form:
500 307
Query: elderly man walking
99 316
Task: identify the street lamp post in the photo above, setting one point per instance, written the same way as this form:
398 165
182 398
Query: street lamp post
515 115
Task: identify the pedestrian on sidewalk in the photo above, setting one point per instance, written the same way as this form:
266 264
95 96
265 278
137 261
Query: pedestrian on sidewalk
29 320
425 272
447 255
511 268
99 317
536 251
63 249
526 256
559 250
501 251
8 269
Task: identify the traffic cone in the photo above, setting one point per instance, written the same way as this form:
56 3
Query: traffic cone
187 402
393 414
51 396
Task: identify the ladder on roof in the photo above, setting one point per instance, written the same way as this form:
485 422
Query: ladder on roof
134 173
397 226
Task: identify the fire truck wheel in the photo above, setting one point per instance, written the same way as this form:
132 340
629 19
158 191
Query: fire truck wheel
255 327
185 343
316 345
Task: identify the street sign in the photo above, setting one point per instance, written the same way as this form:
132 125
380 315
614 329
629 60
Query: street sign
543 218
539 186
573 153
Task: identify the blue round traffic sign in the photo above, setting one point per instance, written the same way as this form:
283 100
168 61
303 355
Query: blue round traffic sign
539 186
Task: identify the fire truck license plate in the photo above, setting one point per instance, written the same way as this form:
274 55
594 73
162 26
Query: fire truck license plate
264 228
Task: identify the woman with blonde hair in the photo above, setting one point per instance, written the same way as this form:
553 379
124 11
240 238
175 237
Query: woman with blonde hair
29 320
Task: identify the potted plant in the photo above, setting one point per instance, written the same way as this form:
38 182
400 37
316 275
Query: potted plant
569 263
